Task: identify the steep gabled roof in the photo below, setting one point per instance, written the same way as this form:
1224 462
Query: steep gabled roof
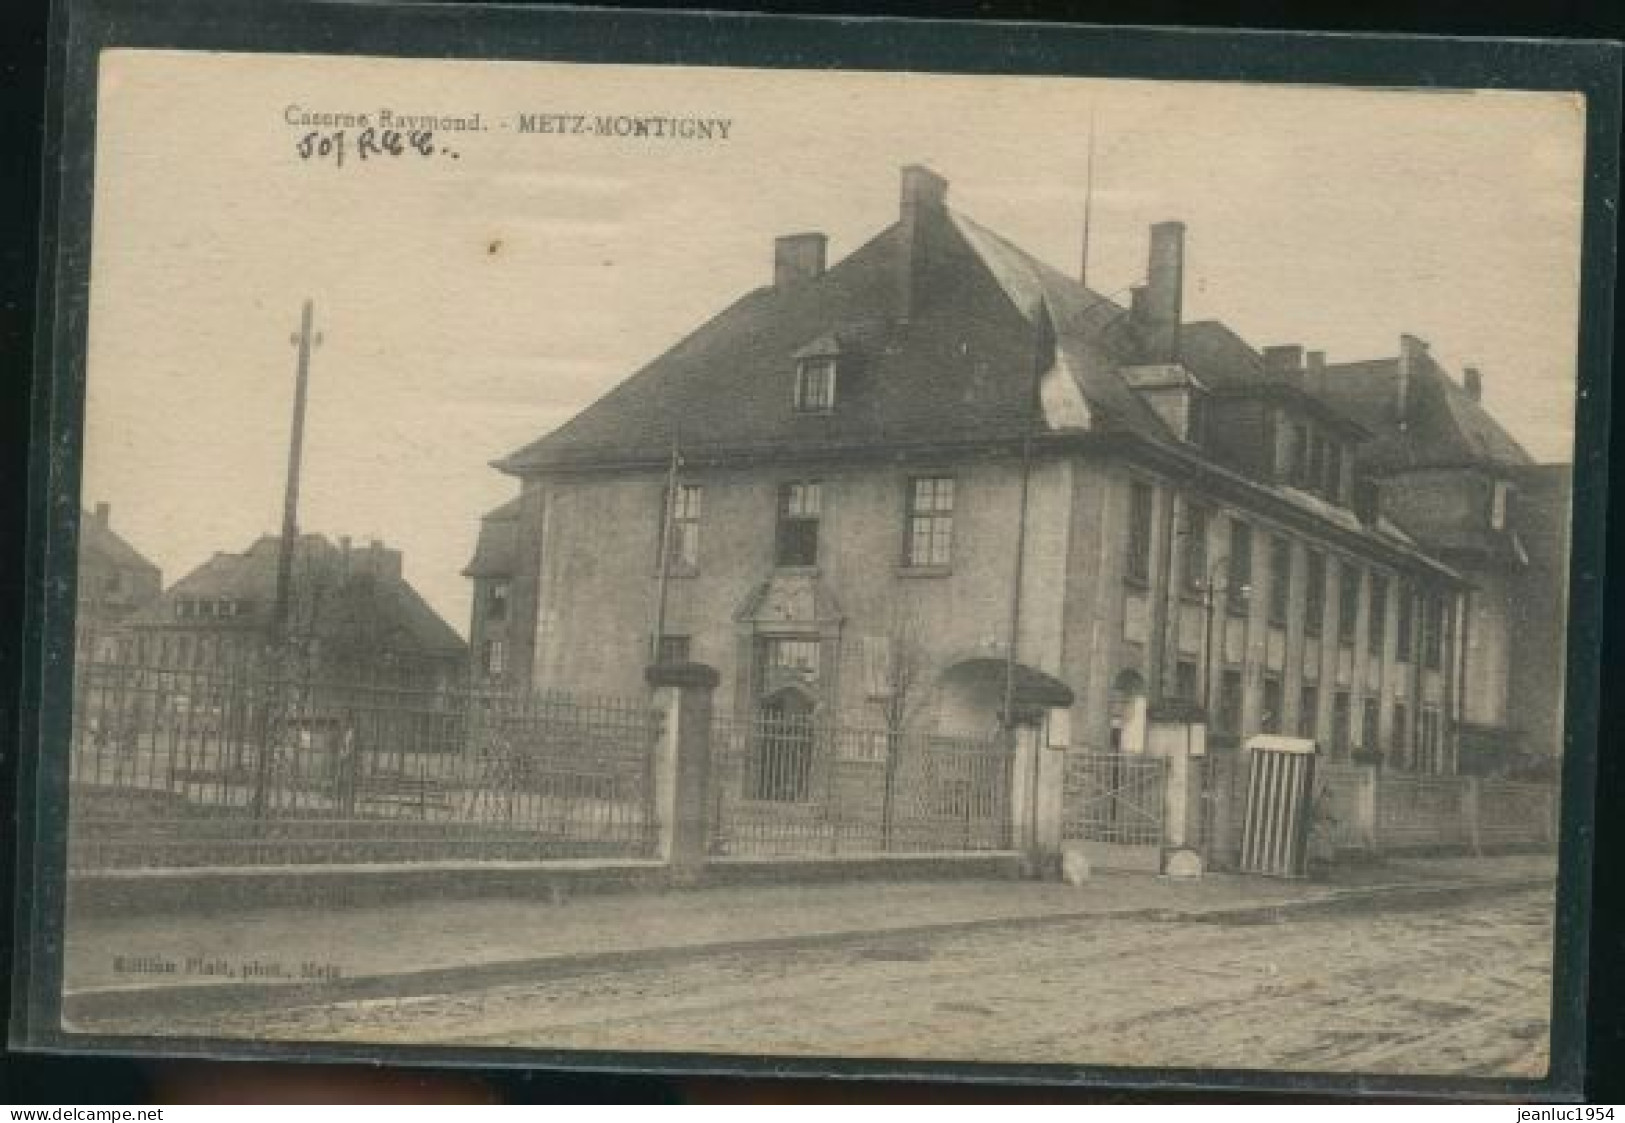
387 615
1091 332
100 543
385 609
1227 364
496 551
1443 426
1220 358
961 367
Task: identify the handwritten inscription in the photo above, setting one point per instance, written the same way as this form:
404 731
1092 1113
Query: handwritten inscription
370 144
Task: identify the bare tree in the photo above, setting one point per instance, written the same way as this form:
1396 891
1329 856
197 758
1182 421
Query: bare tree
902 691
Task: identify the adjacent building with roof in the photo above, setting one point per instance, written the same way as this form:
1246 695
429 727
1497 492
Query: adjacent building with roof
115 580
944 453
352 614
492 571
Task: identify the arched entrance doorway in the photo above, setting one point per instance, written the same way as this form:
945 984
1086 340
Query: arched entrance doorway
1128 712
782 755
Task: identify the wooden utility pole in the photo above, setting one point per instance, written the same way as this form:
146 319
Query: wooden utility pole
277 662
304 340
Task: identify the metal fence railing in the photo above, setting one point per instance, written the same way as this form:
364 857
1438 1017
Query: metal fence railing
1421 811
793 786
1515 813
197 768
1364 808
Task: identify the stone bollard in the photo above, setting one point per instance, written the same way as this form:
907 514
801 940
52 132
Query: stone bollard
1075 868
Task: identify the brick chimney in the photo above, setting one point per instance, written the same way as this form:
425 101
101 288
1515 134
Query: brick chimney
1314 370
104 515
378 561
1160 309
1412 351
924 196
798 258
1284 363
1472 380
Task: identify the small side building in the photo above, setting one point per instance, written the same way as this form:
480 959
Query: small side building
352 615
492 571
115 581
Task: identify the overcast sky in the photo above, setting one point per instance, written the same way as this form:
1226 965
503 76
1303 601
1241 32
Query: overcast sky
469 305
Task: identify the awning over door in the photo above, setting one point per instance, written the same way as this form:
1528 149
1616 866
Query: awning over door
1029 685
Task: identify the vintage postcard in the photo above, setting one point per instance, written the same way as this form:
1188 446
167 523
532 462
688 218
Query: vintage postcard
822 564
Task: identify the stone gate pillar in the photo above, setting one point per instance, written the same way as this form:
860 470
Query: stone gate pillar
1177 732
682 766
1037 776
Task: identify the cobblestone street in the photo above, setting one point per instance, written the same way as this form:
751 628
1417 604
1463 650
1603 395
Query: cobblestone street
1446 989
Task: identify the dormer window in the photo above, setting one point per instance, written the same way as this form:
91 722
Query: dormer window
817 365
1175 395
815 385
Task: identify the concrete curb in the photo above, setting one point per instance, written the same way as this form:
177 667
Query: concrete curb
98 1004
126 892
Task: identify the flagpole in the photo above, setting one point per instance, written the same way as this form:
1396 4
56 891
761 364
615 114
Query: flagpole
667 518
1041 365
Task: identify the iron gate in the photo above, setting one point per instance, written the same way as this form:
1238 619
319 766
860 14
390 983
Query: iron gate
789 786
1115 800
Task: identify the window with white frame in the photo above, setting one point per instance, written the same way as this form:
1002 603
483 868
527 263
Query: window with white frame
496 657
496 601
675 649
1433 629
930 534
800 509
815 384
684 550
1405 632
1430 741
1280 580
1314 605
1138 562
793 655
1376 627
1197 520
1308 710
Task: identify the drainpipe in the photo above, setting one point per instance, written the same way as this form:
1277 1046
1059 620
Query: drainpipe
1162 622
1458 709
1010 647
1044 355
